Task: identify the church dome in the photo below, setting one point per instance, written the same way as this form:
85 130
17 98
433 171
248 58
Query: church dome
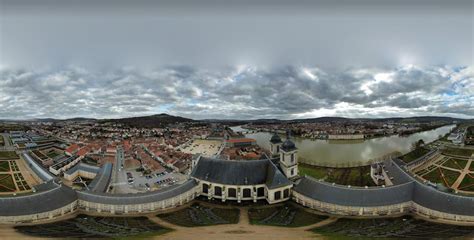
275 139
288 145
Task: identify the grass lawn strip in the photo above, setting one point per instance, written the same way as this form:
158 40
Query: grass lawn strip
6 183
8 155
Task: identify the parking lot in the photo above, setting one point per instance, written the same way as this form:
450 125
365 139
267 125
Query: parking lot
139 182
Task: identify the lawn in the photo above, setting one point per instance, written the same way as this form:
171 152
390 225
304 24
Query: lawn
52 154
287 215
8 155
393 228
313 171
357 176
436 176
6 183
467 183
2 141
198 215
4 166
455 163
415 154
458 151
87 227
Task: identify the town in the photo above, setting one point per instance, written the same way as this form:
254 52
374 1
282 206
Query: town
215 161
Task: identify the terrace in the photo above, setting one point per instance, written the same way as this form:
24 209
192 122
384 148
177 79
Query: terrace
202 215
84 226
392 228
286 215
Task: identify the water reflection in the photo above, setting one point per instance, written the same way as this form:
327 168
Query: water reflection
345 153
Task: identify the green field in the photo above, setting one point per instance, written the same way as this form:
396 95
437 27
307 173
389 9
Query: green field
392 228
6 183
287 215
88 227
12 127
436 176
8 155
455 163
198 215
357 176
458 151
4 166
52 154
467 183
415 154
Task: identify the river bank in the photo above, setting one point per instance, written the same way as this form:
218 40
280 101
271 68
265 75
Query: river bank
351 153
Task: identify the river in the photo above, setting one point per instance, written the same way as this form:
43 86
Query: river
350 153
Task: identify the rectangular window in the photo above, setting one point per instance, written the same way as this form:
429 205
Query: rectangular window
277 195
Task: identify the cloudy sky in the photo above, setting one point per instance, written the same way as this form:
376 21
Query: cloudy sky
236 59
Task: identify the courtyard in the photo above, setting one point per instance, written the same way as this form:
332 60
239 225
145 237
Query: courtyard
204 147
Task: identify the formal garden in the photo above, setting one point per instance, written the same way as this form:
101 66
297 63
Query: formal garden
6 183
84 226
202 215
393 228
285 215
8 155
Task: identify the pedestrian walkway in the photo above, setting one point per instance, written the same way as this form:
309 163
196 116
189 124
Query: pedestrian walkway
463 174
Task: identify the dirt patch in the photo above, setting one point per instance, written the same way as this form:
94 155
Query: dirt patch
238 232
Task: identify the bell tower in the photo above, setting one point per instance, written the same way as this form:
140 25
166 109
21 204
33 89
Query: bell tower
275 144
289 157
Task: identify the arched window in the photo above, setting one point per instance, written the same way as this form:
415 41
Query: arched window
232 192
247 193
217 191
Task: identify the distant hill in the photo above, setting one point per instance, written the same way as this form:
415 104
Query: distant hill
153 121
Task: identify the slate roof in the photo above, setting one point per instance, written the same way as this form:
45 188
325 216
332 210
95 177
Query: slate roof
396 173
354 196
102 179
239 172
49 196
434 199
275 139
288 145
42 173
137 198
83 167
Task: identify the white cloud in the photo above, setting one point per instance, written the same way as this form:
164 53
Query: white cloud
279 92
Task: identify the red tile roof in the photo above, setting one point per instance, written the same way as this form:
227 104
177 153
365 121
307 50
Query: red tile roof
241 140
71 149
